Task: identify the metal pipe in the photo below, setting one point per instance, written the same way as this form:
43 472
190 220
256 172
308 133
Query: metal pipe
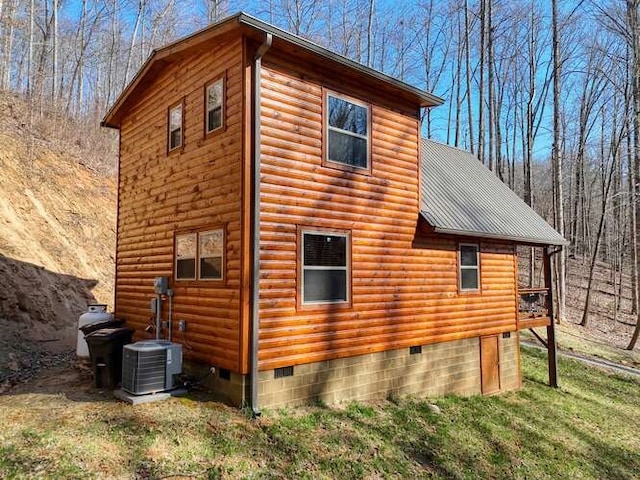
255 220
170 319
158 315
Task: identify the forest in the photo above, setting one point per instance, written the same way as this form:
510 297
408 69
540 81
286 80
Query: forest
546 94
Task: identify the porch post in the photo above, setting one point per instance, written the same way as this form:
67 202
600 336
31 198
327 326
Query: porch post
551 332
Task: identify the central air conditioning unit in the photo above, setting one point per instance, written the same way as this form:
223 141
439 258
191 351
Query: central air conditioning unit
151 366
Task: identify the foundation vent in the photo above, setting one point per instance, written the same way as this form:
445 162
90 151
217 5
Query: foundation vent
283 372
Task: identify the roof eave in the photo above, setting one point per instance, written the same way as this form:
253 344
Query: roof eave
111 119
426 99
496 236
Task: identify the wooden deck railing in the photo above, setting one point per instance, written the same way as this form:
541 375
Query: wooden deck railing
532 307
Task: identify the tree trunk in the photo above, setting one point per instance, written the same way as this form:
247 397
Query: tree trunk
481 83
467 62
633 13
557 163
372 9
490 86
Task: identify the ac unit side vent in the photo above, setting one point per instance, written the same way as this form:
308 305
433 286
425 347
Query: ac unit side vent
150 366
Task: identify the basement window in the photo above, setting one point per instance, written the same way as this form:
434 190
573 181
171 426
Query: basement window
347 131
176 127
469 263
325 271
200 255
215 105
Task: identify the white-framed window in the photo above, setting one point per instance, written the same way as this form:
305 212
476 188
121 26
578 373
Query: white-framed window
200 255
347 127
214 105
325 267
175 127
469 266
211 254
186 253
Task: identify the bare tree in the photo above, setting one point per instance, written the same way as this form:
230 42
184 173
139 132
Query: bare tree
633 19
558 196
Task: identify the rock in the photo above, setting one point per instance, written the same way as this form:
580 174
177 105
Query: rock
435 409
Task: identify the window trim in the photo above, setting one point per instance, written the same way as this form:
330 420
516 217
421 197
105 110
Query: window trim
323 305
469 267
172 107
197 278
220 78
222 258
175 257
326 162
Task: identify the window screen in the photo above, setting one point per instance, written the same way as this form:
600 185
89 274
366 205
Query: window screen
215 106
348 132
175 127
469 267
210 254
325 271
186 249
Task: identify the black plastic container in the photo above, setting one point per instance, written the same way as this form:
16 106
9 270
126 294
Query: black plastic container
105 350
100 324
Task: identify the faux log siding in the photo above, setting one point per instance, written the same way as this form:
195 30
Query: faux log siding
404 288
199 187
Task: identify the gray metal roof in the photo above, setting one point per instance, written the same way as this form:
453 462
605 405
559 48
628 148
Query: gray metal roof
460 196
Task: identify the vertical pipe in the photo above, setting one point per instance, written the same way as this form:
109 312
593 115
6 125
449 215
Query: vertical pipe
255 220
170 319
158 315
551 332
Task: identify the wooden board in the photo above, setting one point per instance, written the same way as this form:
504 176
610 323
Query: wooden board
490 364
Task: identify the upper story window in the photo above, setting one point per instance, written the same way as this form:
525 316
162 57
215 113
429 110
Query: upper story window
325 267
214 106
347 131
469 265
176 127
200 255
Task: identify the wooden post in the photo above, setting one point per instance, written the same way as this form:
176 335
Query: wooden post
551 332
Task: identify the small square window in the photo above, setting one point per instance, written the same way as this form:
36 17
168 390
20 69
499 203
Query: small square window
215 105
325 272
347 132
469 266
175 127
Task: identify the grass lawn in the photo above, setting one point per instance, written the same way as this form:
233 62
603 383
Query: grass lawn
573 337
589 428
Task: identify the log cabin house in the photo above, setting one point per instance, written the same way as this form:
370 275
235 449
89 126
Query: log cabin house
316 246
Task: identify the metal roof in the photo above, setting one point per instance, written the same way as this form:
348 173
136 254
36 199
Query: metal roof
460 196
241 19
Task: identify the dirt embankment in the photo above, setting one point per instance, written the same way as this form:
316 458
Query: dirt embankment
57 237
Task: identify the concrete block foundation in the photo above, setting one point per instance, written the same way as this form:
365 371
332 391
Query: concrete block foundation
438 369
